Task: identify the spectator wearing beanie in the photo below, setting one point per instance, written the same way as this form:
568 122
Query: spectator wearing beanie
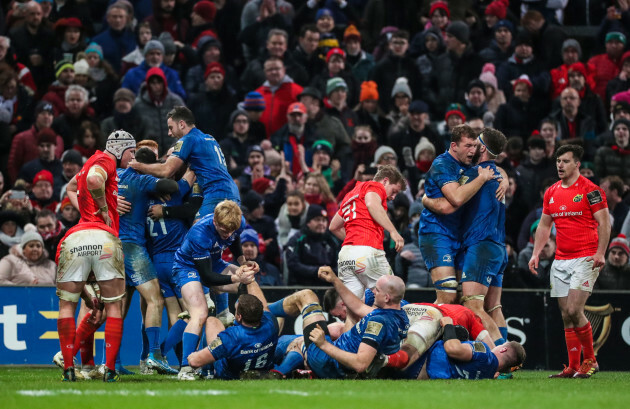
453 70
24 144
313 247
262 223
622 81
475 96
238 140
615 159
369 113
268 274
202 17
336 67
501 48
358 60
154 101
394 65
56 95
608 64
521 115
427 46
494 12
401 97
494 96
30 265
571 53
212 107
41 195
125 116
46 146
615 275
337 104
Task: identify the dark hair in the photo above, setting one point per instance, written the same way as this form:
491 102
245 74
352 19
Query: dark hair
145 155
274 58
494 140
330 299
577 151
45 213
181 113
549 120
514 143
616 183
401 34
250 308
462 131
392 174
308 27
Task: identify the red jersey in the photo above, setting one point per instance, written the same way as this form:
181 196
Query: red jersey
361 229
87 205
572 210
461 316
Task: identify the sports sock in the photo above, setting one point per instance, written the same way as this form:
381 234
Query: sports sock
67 331
190 342
504 333
179 352
153 335
222 303
84 340
585 335
499 341
574 347
293 360
174 336
398 360
145 344
113 337
277 309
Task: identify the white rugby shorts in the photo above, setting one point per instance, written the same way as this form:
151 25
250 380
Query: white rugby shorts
90 250
360 267
574 274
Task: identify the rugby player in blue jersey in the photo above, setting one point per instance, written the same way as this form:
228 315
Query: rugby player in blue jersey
439 233
247 346
139 269
204 156
380 329
198 261
482 232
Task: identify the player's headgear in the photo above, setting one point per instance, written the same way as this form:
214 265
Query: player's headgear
118 142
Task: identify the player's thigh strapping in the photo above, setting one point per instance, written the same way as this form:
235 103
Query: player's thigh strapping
424 326
361 266
574 274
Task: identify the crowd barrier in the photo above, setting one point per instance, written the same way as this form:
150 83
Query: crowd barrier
28 326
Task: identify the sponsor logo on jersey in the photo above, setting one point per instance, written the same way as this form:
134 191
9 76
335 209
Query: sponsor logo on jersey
360 266
87 250
479 347
447 258
462 180
594 197
374 328
585 284
566 214
192 274
563 207
178 146
215 343
578 198
551 201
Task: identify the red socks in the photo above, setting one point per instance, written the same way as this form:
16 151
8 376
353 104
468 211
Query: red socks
84 341
66 329
574 347
585 336
113 336
398 360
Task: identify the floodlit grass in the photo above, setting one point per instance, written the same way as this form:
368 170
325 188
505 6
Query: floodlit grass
41 388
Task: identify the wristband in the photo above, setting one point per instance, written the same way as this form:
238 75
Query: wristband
164 211
449 332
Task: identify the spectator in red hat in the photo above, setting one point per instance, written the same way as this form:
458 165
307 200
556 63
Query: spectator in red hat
212 107
154 101
70 35
46 146
336 67
24 144
439 16
520 116
294 137
42 192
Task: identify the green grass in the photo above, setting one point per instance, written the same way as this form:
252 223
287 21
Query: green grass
42 388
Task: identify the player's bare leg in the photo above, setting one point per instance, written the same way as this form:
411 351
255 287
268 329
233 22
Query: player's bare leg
492 305
581 338
473 299
445 283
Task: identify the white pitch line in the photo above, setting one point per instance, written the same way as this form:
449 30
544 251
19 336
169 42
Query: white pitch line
121 392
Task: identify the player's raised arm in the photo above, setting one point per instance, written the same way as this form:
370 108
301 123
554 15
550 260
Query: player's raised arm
160 170
353 303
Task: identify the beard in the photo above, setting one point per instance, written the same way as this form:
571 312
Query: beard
477 155
296 129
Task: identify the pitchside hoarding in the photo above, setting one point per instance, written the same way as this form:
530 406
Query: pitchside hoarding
28 326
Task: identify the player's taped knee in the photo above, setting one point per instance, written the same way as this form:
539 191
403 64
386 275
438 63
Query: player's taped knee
310 309
417 341
68 296
496 307
448 284
467 298
113 299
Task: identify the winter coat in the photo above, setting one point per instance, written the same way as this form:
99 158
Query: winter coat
609 160
606 70
212 111
277 102
24 149
116 44
390 68
155 113
15 269
518 118
306 252
135 77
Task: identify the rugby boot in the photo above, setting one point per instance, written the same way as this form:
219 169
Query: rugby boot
587 369
121 370
144 369
68 375
58 360
158 362
110 375
186 373
89 372
377 364
567 372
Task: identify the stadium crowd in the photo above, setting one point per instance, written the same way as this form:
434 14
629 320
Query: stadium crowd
306 99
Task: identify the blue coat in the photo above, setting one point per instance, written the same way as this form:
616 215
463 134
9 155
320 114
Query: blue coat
116 44
136 76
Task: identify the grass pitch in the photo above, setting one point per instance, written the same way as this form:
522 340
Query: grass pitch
41 388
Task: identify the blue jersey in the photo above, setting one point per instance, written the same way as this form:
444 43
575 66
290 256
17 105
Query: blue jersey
168 234
205 157
483 364
483 217
202 242
241 348
382 329
136 188
444 170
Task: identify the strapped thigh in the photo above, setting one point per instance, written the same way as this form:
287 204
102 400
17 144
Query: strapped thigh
447 284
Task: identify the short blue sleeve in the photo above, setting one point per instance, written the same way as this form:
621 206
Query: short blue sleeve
183 148
447 173
375 331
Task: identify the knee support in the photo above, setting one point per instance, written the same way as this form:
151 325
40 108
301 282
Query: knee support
467 298
113 299
418 342
496 307
311 309
448 284
68 296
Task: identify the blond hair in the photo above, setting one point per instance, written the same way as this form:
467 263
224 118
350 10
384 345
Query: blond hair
228 215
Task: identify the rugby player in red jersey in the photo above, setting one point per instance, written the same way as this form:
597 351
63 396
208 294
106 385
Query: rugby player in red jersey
360 223
579 210
93 246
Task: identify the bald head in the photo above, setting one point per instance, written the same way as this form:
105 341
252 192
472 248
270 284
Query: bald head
570 101
393 287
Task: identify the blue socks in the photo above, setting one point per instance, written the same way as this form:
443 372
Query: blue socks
277 309
190 342
174 336
293 360
504 333
153 335
221 302
145 345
